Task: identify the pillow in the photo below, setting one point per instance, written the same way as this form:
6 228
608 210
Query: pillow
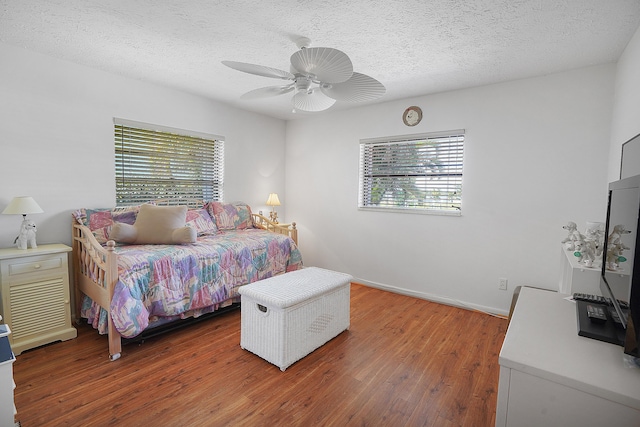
162 225
100 221
201 221
231 216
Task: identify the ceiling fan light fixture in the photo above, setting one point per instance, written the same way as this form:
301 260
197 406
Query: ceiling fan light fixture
329 70
267 92
359 88
259 70
303 83
312 102
327 64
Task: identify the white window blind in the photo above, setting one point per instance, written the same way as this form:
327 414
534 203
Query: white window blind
417 173
166 163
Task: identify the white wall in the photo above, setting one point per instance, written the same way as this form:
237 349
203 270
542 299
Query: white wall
56 138
535 157
625 122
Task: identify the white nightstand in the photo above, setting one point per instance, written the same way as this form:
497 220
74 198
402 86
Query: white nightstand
34 284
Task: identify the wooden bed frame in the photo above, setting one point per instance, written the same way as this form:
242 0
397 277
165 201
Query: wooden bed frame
96 270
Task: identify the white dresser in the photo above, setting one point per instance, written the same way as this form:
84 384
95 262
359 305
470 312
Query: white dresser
7 385
550 376
34 284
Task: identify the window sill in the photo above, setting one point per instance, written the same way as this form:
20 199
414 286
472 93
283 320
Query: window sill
412 211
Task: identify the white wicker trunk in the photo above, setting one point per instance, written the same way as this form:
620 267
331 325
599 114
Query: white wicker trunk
286 317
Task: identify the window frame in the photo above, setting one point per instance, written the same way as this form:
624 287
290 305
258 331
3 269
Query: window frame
189 166
402 144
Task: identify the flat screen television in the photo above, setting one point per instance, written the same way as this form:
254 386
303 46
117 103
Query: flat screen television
620 272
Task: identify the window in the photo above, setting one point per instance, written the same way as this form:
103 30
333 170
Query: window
153 162
416 173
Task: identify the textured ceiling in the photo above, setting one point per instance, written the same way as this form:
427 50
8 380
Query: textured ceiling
414 47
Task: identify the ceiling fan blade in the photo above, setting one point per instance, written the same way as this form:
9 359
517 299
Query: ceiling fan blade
327 64
358 88
265 92
312 102
259 70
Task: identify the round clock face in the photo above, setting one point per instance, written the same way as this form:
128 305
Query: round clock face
412 116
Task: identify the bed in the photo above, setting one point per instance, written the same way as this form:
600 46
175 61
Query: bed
126 289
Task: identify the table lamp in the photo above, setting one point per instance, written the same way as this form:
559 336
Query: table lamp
273 201
24 205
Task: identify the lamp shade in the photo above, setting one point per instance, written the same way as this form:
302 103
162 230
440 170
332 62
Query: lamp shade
22 205
273 200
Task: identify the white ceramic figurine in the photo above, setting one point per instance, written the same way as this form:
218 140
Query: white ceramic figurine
27 235
573 235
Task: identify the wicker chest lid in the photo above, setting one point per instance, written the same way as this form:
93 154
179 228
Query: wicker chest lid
291 288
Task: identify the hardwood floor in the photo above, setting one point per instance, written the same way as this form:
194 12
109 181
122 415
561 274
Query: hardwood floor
404 362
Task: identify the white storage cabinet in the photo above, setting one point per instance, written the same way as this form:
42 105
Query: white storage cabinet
286 317
550 376
7 385
34 284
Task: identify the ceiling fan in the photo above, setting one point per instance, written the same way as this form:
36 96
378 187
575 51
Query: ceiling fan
319 77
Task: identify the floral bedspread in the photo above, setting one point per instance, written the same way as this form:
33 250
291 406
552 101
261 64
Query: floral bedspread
158 283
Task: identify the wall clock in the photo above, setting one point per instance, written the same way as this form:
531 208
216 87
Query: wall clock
412 116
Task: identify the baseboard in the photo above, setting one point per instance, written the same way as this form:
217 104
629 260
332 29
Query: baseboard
435 298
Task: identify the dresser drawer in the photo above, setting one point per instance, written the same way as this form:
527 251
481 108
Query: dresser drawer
33 265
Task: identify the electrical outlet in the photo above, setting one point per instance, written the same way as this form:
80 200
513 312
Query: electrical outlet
503 284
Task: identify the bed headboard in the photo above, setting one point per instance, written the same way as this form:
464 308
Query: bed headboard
259 221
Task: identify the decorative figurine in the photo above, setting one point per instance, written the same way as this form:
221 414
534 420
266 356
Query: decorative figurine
615 247
27 235
572 236
587 248
585 252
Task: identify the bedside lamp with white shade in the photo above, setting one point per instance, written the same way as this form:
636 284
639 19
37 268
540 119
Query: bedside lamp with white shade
273 201
24 205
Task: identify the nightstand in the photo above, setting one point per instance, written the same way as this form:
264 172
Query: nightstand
34 285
